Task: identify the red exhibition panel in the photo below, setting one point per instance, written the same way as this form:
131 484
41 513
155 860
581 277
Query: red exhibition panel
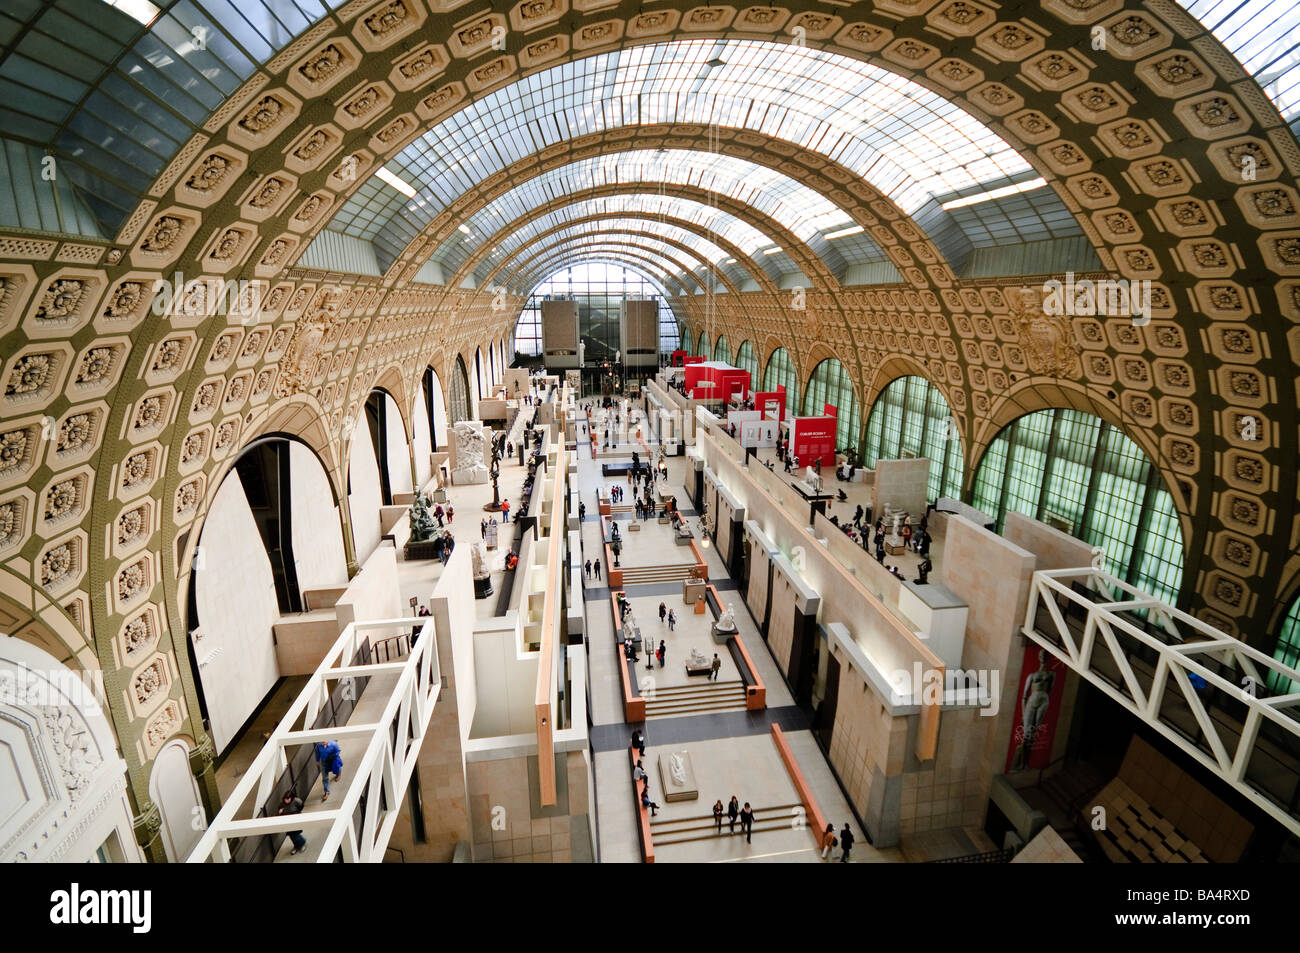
771 401
814 437
723 381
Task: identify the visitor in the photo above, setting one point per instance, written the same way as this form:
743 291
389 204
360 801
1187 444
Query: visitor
638 741
582 511
715 668
437 514
846 841
646 803
638 772
663 613
330 760
733 811
672 620
857 516
747 822
828 840
292 804
907 535
483 529
595 565
717 814
505 511
451 513
662 653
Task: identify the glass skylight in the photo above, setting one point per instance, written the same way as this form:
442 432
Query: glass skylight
1264 35
907 141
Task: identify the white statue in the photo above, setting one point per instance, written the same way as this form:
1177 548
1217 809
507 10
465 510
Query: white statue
479 561
471 443
727 620
697 660
898 518
677 768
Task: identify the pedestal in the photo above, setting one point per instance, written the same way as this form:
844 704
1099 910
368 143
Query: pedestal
483 587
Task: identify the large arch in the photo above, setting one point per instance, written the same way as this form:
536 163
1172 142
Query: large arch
1085 476
830 383
911 415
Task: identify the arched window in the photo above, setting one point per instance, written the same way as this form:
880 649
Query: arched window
670 332
780 370
700 345
458 401
747 360
1076 472
1287 650
478 371
911 417
720 350
829 384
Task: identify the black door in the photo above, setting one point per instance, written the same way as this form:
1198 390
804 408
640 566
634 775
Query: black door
825 722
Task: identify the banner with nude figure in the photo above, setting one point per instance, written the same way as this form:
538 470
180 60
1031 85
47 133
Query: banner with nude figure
1038 709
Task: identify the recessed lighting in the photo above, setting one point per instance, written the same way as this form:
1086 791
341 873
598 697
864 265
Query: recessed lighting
383 175
772 251
463 229
142 11
844 232
1003 192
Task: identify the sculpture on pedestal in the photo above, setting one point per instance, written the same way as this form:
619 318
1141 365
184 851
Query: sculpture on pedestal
482 578
727 619
470 468
422 526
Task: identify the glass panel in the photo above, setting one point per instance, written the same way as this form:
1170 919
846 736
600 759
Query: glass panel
912 416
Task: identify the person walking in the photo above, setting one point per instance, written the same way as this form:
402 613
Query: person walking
662 653
672 620
828 840
846 842
587 568
747 823
717 814
663 613
451 514
482 529
715 668
733 811
595 565
330 760
505 511
292 804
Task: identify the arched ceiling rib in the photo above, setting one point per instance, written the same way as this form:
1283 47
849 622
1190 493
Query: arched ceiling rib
631 256
795 256
738 239
687 238
671 249
551 222
776 195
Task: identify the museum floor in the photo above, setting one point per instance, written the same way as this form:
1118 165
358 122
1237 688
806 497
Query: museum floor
732 750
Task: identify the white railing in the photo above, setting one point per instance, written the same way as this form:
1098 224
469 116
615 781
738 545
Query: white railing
391 747
1181 650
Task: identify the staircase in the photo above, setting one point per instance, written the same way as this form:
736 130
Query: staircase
1062 797
621 508
701 697
641 575
682 830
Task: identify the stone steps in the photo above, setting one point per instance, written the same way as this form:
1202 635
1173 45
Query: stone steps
684 830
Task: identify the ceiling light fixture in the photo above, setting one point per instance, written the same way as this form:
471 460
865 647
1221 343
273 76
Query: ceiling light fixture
463 229
772 251
383 175
843 232
994 194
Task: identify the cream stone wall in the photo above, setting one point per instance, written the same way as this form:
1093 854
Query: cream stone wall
365 497
317 529
235 650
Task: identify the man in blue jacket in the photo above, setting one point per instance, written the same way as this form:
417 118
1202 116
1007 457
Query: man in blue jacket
330 760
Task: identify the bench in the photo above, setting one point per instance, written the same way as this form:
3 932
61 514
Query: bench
616 469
